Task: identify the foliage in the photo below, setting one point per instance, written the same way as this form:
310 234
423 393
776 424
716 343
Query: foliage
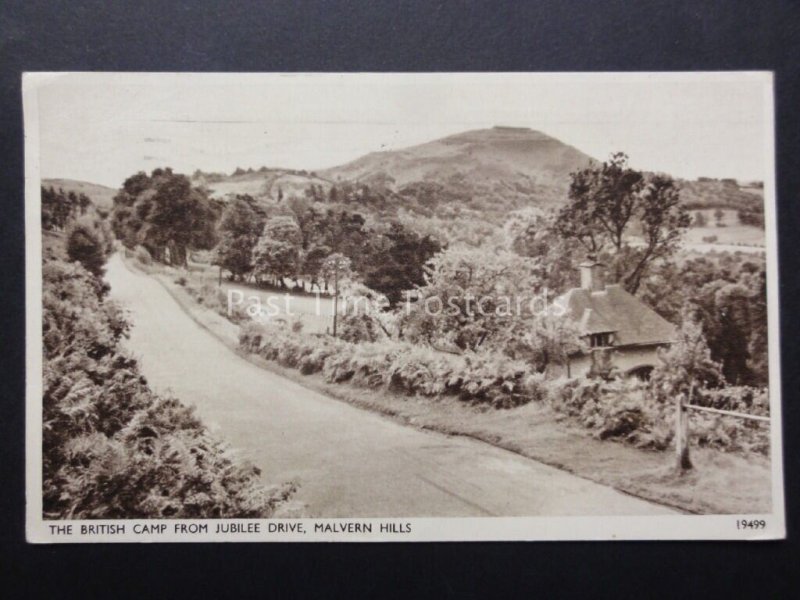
60 207
623 410
627 411
468 298
554 258
700 219
476 300
111 447
706 193
277 252
751 215
607 201
363 314
475 378
728 295
239 229
165 214
687 367
89 243
397 260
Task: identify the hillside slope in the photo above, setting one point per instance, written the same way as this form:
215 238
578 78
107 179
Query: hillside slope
517 157
100 195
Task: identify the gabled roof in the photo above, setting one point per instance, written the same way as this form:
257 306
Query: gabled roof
615 310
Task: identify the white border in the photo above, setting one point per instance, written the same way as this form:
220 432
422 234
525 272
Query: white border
680 527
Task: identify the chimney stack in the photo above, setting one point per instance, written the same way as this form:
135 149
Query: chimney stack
593 275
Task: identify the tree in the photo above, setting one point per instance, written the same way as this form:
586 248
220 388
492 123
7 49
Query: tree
84 203
753 216
757 345
365 317
59 208
732 305
602 203
277 251
87 245
345 232
719 215
728 296
687 367
554 258
700 219
165 214
469 298
606 202
239 229
397 260
663 221
336 267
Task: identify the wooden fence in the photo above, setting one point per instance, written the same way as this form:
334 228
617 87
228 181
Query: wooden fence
684 460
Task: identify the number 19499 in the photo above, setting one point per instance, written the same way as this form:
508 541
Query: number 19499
751 524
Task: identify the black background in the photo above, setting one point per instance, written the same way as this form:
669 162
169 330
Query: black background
372 35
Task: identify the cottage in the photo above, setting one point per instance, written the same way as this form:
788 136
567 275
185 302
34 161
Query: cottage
621 331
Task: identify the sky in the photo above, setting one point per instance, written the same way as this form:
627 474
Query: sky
104 127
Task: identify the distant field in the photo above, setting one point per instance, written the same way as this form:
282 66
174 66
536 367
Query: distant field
251 186
261 185
732 233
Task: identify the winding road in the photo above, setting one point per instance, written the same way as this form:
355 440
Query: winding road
348 462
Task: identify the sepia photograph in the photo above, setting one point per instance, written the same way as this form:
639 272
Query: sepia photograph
401 307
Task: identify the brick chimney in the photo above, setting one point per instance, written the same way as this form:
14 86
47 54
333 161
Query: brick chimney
593 276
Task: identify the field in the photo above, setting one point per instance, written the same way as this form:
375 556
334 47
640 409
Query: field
314 312
731 233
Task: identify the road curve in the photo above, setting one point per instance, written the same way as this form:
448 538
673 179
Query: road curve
348 462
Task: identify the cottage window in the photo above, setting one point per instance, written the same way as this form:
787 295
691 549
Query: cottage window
600 340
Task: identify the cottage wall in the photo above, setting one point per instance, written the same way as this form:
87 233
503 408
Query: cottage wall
625 359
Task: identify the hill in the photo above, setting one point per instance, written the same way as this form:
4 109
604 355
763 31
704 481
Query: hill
100 195
515 157
461 188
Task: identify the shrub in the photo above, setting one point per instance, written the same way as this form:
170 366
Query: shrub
476 378
625 410
628 411
111 448
86 245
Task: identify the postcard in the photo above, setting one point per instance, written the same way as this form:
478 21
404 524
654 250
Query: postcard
401 307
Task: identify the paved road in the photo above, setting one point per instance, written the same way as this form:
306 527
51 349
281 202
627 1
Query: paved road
349 462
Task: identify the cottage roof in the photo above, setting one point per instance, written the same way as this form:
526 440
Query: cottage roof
612 309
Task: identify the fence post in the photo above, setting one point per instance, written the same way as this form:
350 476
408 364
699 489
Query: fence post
684 461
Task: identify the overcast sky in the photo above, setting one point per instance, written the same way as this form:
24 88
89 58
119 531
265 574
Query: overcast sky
104 127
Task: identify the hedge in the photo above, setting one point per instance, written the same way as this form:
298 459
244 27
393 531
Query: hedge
623 410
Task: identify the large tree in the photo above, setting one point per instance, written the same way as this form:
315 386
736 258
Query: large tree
277 252
166 215
239 229
397 259
631 219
